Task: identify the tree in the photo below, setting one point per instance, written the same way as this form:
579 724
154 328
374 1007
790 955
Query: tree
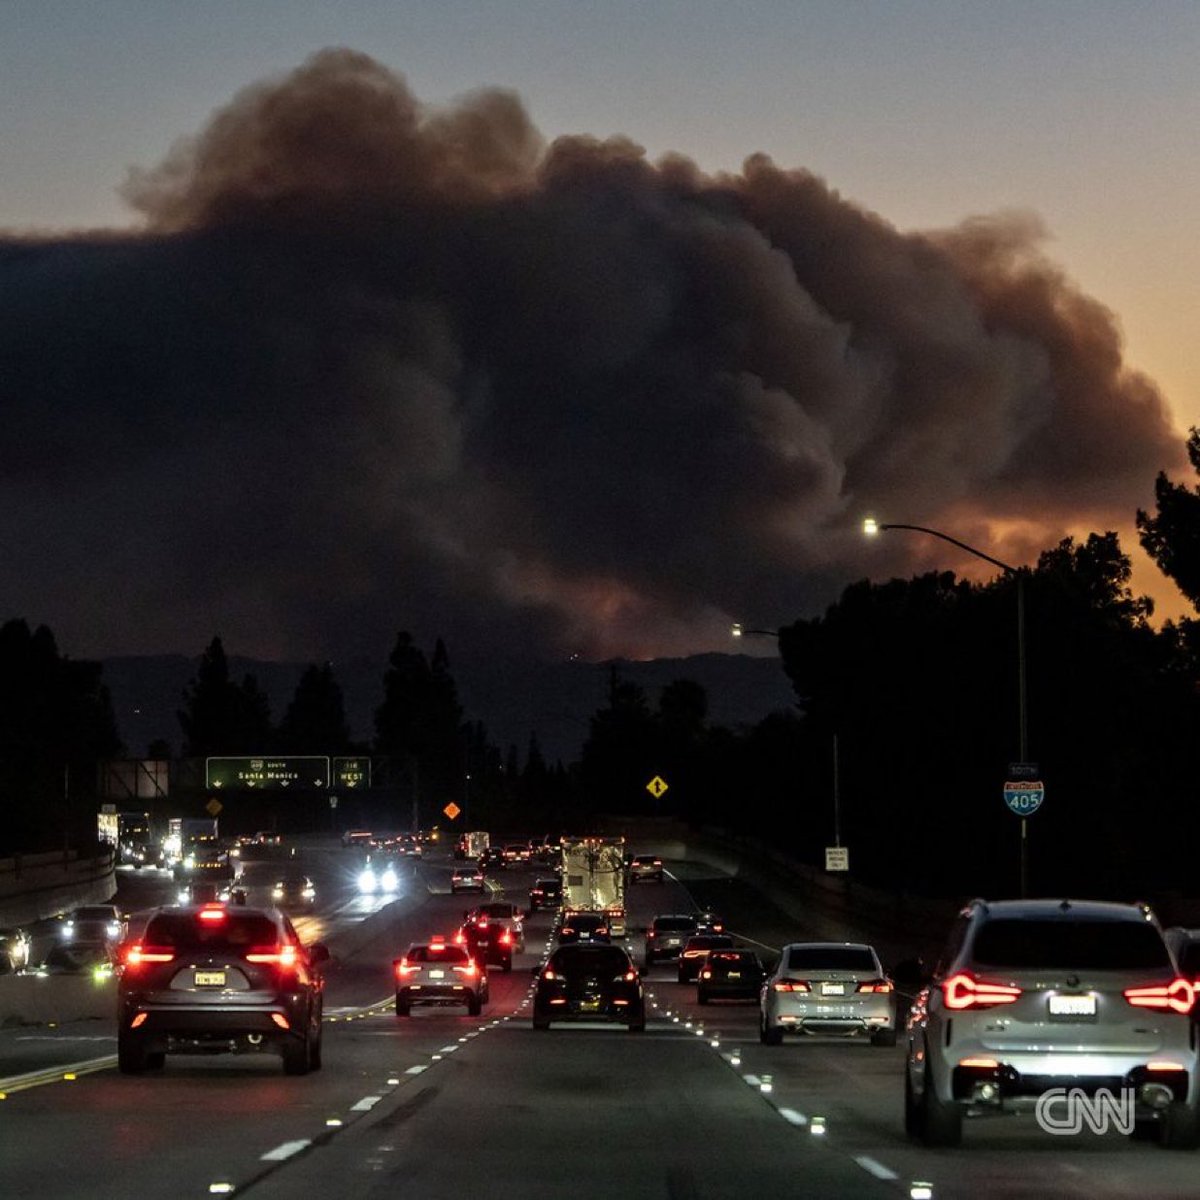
419 723
315 721
220 717
56 725
1172 537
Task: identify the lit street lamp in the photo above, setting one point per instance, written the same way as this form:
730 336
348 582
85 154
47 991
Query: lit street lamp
738 630
871 528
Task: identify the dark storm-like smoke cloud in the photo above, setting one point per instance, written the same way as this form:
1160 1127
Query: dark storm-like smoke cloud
367 366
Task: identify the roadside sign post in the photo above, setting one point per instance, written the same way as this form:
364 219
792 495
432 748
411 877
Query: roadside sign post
837 858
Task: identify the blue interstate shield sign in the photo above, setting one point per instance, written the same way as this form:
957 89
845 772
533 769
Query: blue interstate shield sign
1024 796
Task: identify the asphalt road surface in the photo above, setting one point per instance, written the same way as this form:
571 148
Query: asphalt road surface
445 1105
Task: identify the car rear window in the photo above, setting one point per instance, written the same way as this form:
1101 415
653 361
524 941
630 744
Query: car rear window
446 954
1073 944
706 942
188 932
830 958
674 924
732 957
602 959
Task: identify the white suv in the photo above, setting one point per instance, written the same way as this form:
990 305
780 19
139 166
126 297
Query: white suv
1036 995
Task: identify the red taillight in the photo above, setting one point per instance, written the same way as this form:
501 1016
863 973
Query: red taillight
705 974
791 985
482 922
282 956
601 930
628 977
964 991
876 985
548 974
212 912
139 954
506 938
404 967
1178 996
469 970
694 953
460 938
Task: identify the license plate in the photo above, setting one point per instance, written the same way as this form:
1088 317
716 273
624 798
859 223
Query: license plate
589 1006
437 974
210 978
1073 1006
833 989
734 975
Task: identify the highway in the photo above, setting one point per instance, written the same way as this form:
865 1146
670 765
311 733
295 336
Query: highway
445 1105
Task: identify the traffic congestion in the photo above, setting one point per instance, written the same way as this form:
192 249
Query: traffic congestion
430 1020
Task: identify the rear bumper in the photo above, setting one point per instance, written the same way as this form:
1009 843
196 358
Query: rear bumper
449 993
860 1017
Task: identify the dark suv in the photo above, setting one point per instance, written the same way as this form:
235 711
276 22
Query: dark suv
545 893
490 943
213 979
667 936
595 982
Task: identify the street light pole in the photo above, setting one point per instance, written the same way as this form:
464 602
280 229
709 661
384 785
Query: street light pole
872 527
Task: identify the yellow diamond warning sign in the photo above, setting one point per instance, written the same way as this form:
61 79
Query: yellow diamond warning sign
452 810
657 786
214 806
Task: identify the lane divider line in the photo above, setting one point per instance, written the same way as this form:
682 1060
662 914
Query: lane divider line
365 1104
32 1079
286 1150
872 1167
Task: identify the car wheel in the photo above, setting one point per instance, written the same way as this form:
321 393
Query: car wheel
1179 1126
156 1060
769 1035
314 1053
682 977
883 1037
1145 1129
701 996
474 1006
132 1058
540 1022
638 1024
296 1052
940 1123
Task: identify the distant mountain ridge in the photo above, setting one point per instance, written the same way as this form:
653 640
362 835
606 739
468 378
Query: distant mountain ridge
512 698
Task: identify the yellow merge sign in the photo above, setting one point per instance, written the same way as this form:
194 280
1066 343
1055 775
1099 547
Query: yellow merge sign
452 810
657 786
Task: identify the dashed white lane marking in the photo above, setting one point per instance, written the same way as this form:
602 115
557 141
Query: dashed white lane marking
417 1069
752 1080
874 1168
793 1117
365 1104
448 1049
286 1150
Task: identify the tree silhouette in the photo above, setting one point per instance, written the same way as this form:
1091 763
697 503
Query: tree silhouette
1172 536
315 721
221 717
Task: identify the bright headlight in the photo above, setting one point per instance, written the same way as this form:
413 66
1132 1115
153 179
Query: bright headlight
183 895
189 861
308 893
389 882
277 891
366 881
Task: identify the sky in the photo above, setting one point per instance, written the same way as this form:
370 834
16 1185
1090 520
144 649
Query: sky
350 353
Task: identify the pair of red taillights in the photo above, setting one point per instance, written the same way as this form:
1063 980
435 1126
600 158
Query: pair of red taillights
404 968
628 977
283 956
963 991
877 986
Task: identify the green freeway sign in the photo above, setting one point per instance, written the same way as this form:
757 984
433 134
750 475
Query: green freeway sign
351 772
301 773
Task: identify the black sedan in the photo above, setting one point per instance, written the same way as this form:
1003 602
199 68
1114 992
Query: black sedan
730 975
590 983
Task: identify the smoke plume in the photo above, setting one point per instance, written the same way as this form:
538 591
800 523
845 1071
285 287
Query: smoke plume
363 365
